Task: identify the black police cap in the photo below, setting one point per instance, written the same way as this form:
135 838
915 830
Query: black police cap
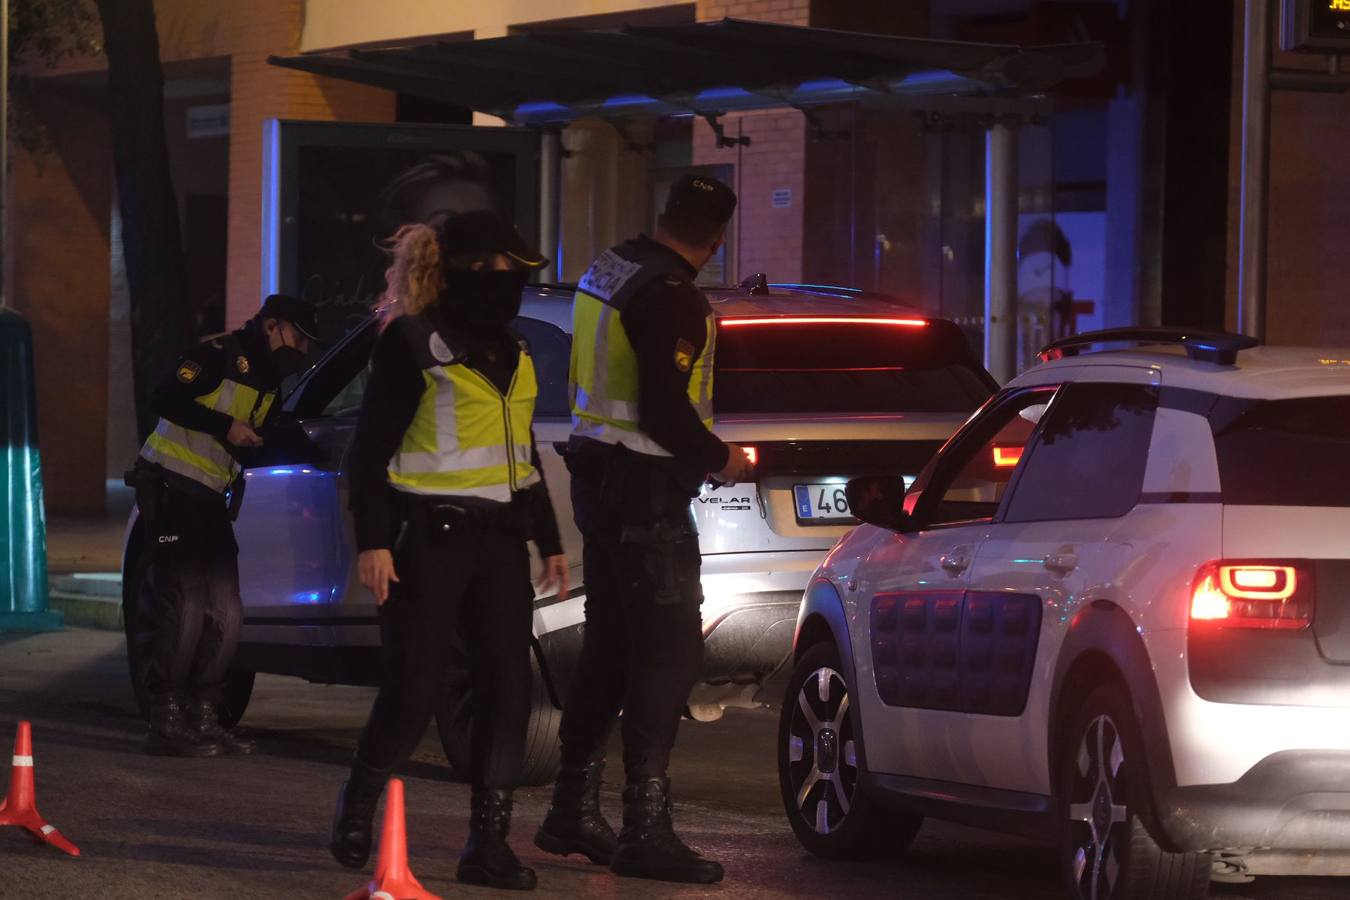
285 308
483 231
701 197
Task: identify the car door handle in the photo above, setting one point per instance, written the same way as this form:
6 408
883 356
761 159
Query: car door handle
1062 563
957 561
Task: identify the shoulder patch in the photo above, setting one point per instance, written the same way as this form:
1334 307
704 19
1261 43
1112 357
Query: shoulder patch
440 351
241 363
188 371
684 355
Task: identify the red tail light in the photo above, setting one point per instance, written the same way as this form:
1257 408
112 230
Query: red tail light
1241 594
1007 457
752 454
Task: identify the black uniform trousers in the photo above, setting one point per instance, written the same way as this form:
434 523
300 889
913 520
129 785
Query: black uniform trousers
460 615
193 596
642 649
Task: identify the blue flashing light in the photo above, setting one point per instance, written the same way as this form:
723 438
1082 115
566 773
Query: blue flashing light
280 471
822 85
712 95
526 110
628 100
307 597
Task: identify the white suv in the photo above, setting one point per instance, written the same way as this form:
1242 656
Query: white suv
1113 612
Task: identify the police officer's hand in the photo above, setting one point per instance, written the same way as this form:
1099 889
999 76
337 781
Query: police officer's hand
554 577
375 568
738 467
242 435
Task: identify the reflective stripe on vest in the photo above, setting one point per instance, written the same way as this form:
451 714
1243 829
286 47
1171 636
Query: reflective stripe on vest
603 379
198 455
467 439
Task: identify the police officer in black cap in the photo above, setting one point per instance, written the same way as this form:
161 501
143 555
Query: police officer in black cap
641 381
189 483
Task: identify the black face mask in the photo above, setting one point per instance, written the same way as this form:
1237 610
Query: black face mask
483 297
288 361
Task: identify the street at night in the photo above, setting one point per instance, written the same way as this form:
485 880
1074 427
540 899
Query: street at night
258 827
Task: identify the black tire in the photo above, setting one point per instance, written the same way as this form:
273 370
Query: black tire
1106 849
139 626
830 813
542 753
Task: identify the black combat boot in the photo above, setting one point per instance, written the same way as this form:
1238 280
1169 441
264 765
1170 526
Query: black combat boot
207 723
354 821
574 823
171 734
648 846
486 858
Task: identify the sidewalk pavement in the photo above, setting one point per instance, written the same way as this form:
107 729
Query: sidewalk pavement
84 563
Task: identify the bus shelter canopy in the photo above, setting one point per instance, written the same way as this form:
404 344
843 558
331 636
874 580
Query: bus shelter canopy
550 76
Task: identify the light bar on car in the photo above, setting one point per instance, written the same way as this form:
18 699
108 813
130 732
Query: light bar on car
825 320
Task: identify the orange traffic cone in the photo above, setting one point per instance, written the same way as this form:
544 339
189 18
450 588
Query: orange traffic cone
393 880
20 807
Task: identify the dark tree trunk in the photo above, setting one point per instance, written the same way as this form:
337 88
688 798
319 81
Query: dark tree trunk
151 237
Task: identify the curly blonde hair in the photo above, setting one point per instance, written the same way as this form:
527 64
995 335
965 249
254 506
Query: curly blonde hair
415 278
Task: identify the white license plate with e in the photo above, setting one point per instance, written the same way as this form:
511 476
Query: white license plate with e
822 502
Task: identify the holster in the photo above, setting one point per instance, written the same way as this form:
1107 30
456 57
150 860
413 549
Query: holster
236 495
149 488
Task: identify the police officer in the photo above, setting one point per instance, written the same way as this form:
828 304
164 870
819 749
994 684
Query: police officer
446 490
188 487
641 380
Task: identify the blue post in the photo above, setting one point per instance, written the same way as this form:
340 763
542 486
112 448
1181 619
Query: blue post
23 531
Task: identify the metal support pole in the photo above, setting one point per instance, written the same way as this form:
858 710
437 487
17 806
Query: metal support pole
1255 169
1000 251
550 184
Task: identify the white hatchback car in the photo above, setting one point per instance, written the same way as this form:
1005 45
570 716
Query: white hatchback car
1113 612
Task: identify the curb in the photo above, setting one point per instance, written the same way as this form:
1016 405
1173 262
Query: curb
92 600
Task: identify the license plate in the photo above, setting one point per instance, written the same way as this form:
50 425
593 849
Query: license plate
822 502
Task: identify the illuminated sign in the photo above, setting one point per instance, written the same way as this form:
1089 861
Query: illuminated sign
1317 26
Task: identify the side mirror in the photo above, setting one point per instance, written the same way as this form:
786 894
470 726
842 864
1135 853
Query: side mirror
880 500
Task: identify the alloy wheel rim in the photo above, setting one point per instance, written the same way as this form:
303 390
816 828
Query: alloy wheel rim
1097 810
822 754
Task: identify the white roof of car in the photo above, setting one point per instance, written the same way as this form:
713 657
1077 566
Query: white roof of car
1268 373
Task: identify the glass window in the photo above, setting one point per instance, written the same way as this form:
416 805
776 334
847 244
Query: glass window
551 349
1284 452
967 483
846 367
335 386
1088 460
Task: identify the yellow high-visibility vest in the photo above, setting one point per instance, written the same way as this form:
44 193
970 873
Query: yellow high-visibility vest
198 455
467 438
603 377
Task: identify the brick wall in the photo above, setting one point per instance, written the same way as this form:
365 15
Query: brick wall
768 238
260 92
59 211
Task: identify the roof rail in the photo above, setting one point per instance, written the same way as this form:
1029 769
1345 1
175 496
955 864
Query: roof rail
1207 346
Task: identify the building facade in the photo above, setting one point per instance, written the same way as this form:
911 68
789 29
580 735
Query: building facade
1128 191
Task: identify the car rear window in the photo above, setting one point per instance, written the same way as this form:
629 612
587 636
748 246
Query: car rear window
1286 453
850 367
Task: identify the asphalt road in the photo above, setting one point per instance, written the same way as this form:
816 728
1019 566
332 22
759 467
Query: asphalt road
256 828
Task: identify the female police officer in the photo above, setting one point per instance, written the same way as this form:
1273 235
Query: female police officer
446 489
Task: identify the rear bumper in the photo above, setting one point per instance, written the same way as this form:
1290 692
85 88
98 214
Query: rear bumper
1292 800
745 642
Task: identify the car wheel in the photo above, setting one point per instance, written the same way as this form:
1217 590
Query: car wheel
1107 851
818 768
139 624
542 753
